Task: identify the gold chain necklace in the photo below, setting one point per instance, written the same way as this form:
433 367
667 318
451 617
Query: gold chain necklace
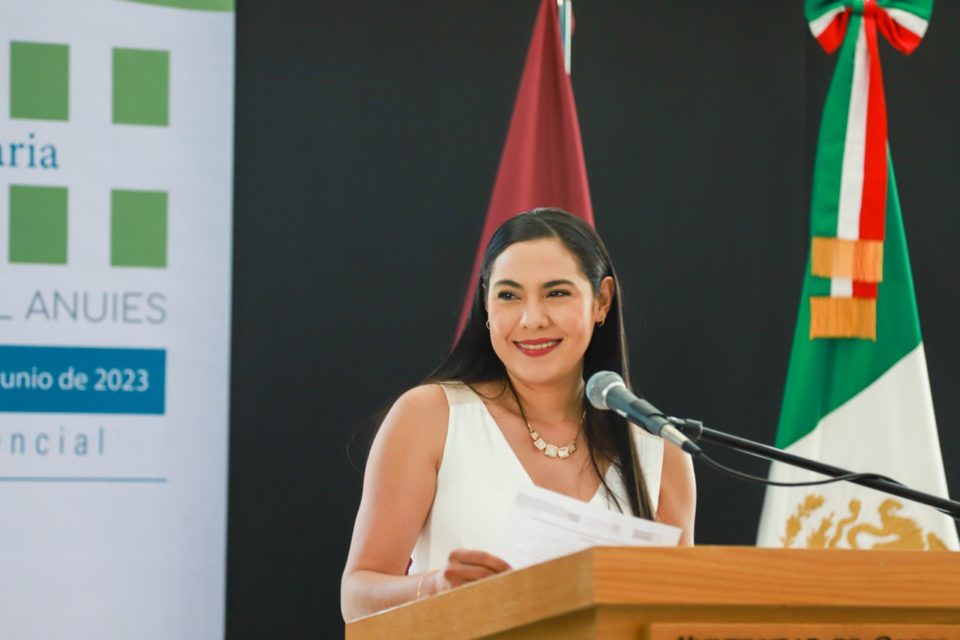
549 450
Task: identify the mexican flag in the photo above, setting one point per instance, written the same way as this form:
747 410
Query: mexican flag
857 393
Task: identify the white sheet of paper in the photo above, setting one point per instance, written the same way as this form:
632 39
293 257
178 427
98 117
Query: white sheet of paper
543 525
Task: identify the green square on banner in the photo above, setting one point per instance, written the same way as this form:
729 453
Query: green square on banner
39 81
38 225
138 228
141 87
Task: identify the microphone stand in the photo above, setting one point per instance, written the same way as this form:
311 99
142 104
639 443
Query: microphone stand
695 430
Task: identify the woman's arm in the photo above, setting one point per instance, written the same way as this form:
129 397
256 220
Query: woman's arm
678 492
398 490
399 484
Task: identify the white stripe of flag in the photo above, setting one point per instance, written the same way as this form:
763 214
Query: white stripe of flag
819 25
854 149
908 20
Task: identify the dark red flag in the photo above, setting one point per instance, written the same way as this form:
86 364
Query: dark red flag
542 163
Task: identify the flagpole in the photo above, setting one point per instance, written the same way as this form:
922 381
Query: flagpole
565 8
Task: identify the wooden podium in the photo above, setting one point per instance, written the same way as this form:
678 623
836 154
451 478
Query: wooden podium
648 593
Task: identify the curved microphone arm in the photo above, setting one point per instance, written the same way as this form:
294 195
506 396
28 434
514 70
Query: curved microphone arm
695 430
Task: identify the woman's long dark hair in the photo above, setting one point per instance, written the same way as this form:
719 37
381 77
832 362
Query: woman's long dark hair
473 359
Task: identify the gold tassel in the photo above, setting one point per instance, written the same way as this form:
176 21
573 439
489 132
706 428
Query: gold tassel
843 318
860 260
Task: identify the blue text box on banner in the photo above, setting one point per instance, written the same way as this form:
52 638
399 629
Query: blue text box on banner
82 380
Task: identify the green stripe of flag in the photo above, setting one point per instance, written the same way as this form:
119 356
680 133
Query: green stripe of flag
813 9
922 8
828 168
824 374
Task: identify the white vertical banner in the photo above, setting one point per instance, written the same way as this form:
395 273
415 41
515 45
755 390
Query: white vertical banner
116 161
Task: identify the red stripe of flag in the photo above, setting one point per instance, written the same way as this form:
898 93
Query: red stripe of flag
902 39
873 203
864 289
832 37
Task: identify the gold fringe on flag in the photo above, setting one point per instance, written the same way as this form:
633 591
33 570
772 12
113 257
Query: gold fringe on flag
843 318
860 260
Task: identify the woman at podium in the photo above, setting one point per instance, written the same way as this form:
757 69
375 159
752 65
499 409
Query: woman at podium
506 410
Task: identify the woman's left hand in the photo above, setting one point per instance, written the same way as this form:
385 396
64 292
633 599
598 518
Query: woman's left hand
464 565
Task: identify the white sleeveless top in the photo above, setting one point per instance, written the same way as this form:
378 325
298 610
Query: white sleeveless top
480 476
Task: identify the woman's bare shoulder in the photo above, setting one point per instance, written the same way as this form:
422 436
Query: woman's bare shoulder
422 399
419 418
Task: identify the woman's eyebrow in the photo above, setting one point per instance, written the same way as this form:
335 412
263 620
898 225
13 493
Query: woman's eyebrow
545 285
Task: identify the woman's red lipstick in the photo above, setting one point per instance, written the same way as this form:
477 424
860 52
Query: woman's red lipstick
535 348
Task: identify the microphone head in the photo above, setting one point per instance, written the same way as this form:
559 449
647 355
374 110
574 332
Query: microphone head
598 385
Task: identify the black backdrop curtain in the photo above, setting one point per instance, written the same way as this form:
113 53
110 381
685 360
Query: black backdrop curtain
368 136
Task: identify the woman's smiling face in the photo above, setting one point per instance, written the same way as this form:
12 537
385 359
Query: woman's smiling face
542 310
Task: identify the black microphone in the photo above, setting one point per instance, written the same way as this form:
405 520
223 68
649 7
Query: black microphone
607 391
